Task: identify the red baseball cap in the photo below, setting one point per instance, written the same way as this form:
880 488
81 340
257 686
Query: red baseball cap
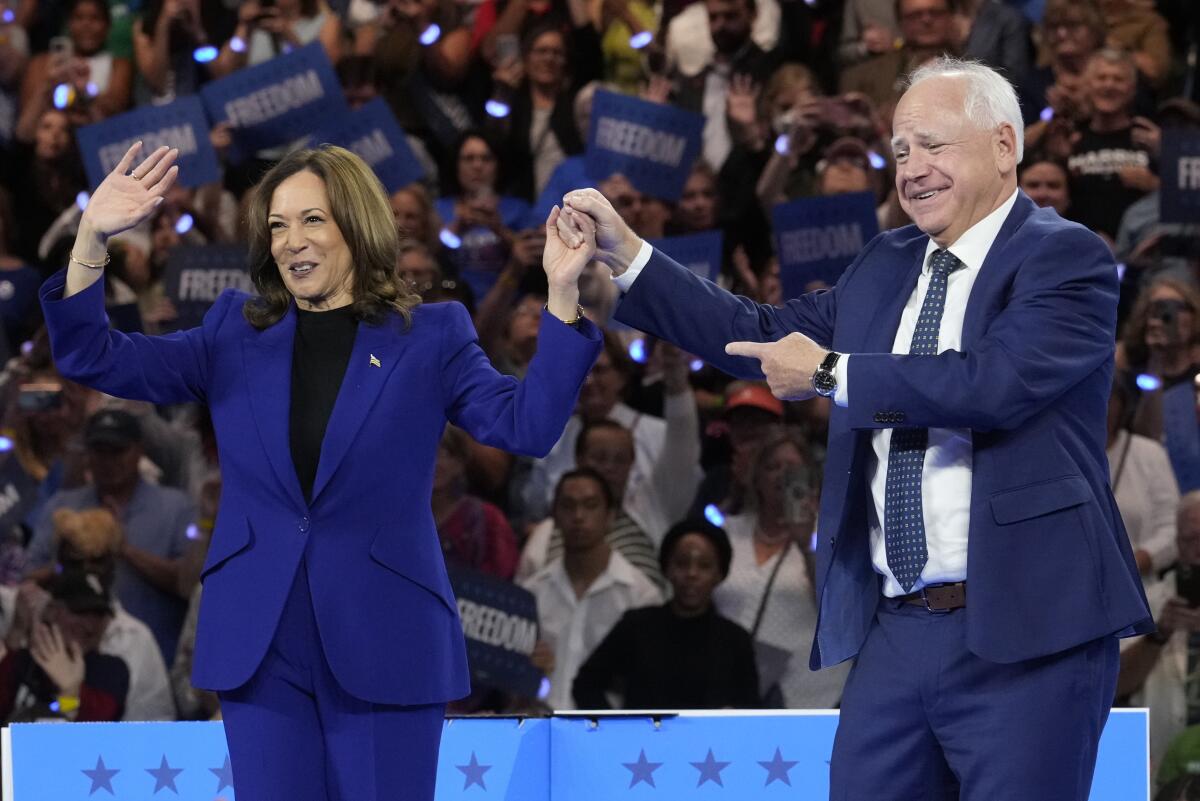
756 396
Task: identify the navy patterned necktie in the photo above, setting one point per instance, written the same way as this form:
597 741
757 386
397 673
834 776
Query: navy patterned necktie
904 525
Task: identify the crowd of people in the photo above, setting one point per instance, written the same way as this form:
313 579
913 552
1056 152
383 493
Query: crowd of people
667 537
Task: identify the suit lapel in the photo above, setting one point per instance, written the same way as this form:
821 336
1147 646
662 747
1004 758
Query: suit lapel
994 272
375 353
895 286
268 360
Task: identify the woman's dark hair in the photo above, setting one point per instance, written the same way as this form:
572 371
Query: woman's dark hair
696 525
101 5
360 208
1040 157
1134 337
449 173
610 500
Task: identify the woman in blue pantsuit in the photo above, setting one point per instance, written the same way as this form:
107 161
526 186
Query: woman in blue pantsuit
327 624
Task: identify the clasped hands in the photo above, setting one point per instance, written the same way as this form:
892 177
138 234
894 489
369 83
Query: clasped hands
788 363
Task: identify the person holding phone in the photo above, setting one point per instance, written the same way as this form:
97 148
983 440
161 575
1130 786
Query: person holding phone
770 589
78 74
327 624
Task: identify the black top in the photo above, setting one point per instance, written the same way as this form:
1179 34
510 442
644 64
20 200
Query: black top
659 660
319 357
1098 198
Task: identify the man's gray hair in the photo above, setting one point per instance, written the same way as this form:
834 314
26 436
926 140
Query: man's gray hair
991 100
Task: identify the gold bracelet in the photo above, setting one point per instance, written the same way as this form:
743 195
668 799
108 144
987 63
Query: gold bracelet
67 703
90 265
578 314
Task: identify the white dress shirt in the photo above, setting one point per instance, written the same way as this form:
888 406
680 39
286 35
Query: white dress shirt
575 626
948 457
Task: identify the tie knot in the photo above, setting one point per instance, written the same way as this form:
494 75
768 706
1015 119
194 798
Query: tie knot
944 262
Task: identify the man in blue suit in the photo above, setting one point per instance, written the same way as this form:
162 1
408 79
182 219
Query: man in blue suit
970 358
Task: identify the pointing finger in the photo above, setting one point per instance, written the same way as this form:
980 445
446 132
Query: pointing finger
754 350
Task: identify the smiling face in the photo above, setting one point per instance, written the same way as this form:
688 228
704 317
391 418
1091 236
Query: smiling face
950 173
476 166
313 258
1110 86
1046 184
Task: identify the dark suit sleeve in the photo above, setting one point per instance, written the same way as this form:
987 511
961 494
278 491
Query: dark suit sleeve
525 417
672 303
1058 326
160 369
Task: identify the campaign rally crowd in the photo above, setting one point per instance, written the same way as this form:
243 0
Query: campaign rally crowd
667 537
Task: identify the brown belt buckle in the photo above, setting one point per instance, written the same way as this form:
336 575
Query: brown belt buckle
932 609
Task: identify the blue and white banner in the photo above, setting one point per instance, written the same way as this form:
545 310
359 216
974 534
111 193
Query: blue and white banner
18 492
817 237
196 275
700 253
651 144
500 623
373 133
278 101
735 755
180 124
1179 198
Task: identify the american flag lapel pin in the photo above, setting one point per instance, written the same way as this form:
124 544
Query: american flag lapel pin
375 361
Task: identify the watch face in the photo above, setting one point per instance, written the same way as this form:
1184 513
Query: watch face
824 382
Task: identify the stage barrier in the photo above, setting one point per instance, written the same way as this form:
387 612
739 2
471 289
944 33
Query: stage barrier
739 755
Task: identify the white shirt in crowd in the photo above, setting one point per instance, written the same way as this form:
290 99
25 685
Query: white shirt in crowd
789 619
1147 495
575 626
946 481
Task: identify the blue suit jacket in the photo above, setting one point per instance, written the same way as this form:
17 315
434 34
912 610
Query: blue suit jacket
1049 564
384 607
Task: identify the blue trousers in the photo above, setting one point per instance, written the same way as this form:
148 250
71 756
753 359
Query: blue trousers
924 719
295 734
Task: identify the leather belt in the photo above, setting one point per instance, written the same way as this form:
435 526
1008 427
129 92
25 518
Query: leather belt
938 597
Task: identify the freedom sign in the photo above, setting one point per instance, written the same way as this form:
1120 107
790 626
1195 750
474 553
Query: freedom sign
817 237
500 622
180 124
1179 198
700 253
196 275
276 102
651 144
373 134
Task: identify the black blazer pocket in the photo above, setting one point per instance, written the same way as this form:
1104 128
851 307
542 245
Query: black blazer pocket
1042 498
227 542
413 560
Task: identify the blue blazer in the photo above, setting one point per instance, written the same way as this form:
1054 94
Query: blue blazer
1049 564
384 607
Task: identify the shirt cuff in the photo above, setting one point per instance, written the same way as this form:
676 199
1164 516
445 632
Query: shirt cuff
841 374
625 280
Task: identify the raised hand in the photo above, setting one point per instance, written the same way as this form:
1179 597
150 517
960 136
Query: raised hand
616 243
58 657
127 197
564 260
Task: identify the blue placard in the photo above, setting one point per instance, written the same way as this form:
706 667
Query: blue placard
1182 434
651 144
278 101
1179 198
700 253
817 237
500 622
180 124
372 132
743 756
196 275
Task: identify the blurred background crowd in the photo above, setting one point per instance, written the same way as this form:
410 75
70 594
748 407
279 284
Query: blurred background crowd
666 538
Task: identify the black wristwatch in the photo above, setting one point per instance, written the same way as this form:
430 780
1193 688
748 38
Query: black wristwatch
823 380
